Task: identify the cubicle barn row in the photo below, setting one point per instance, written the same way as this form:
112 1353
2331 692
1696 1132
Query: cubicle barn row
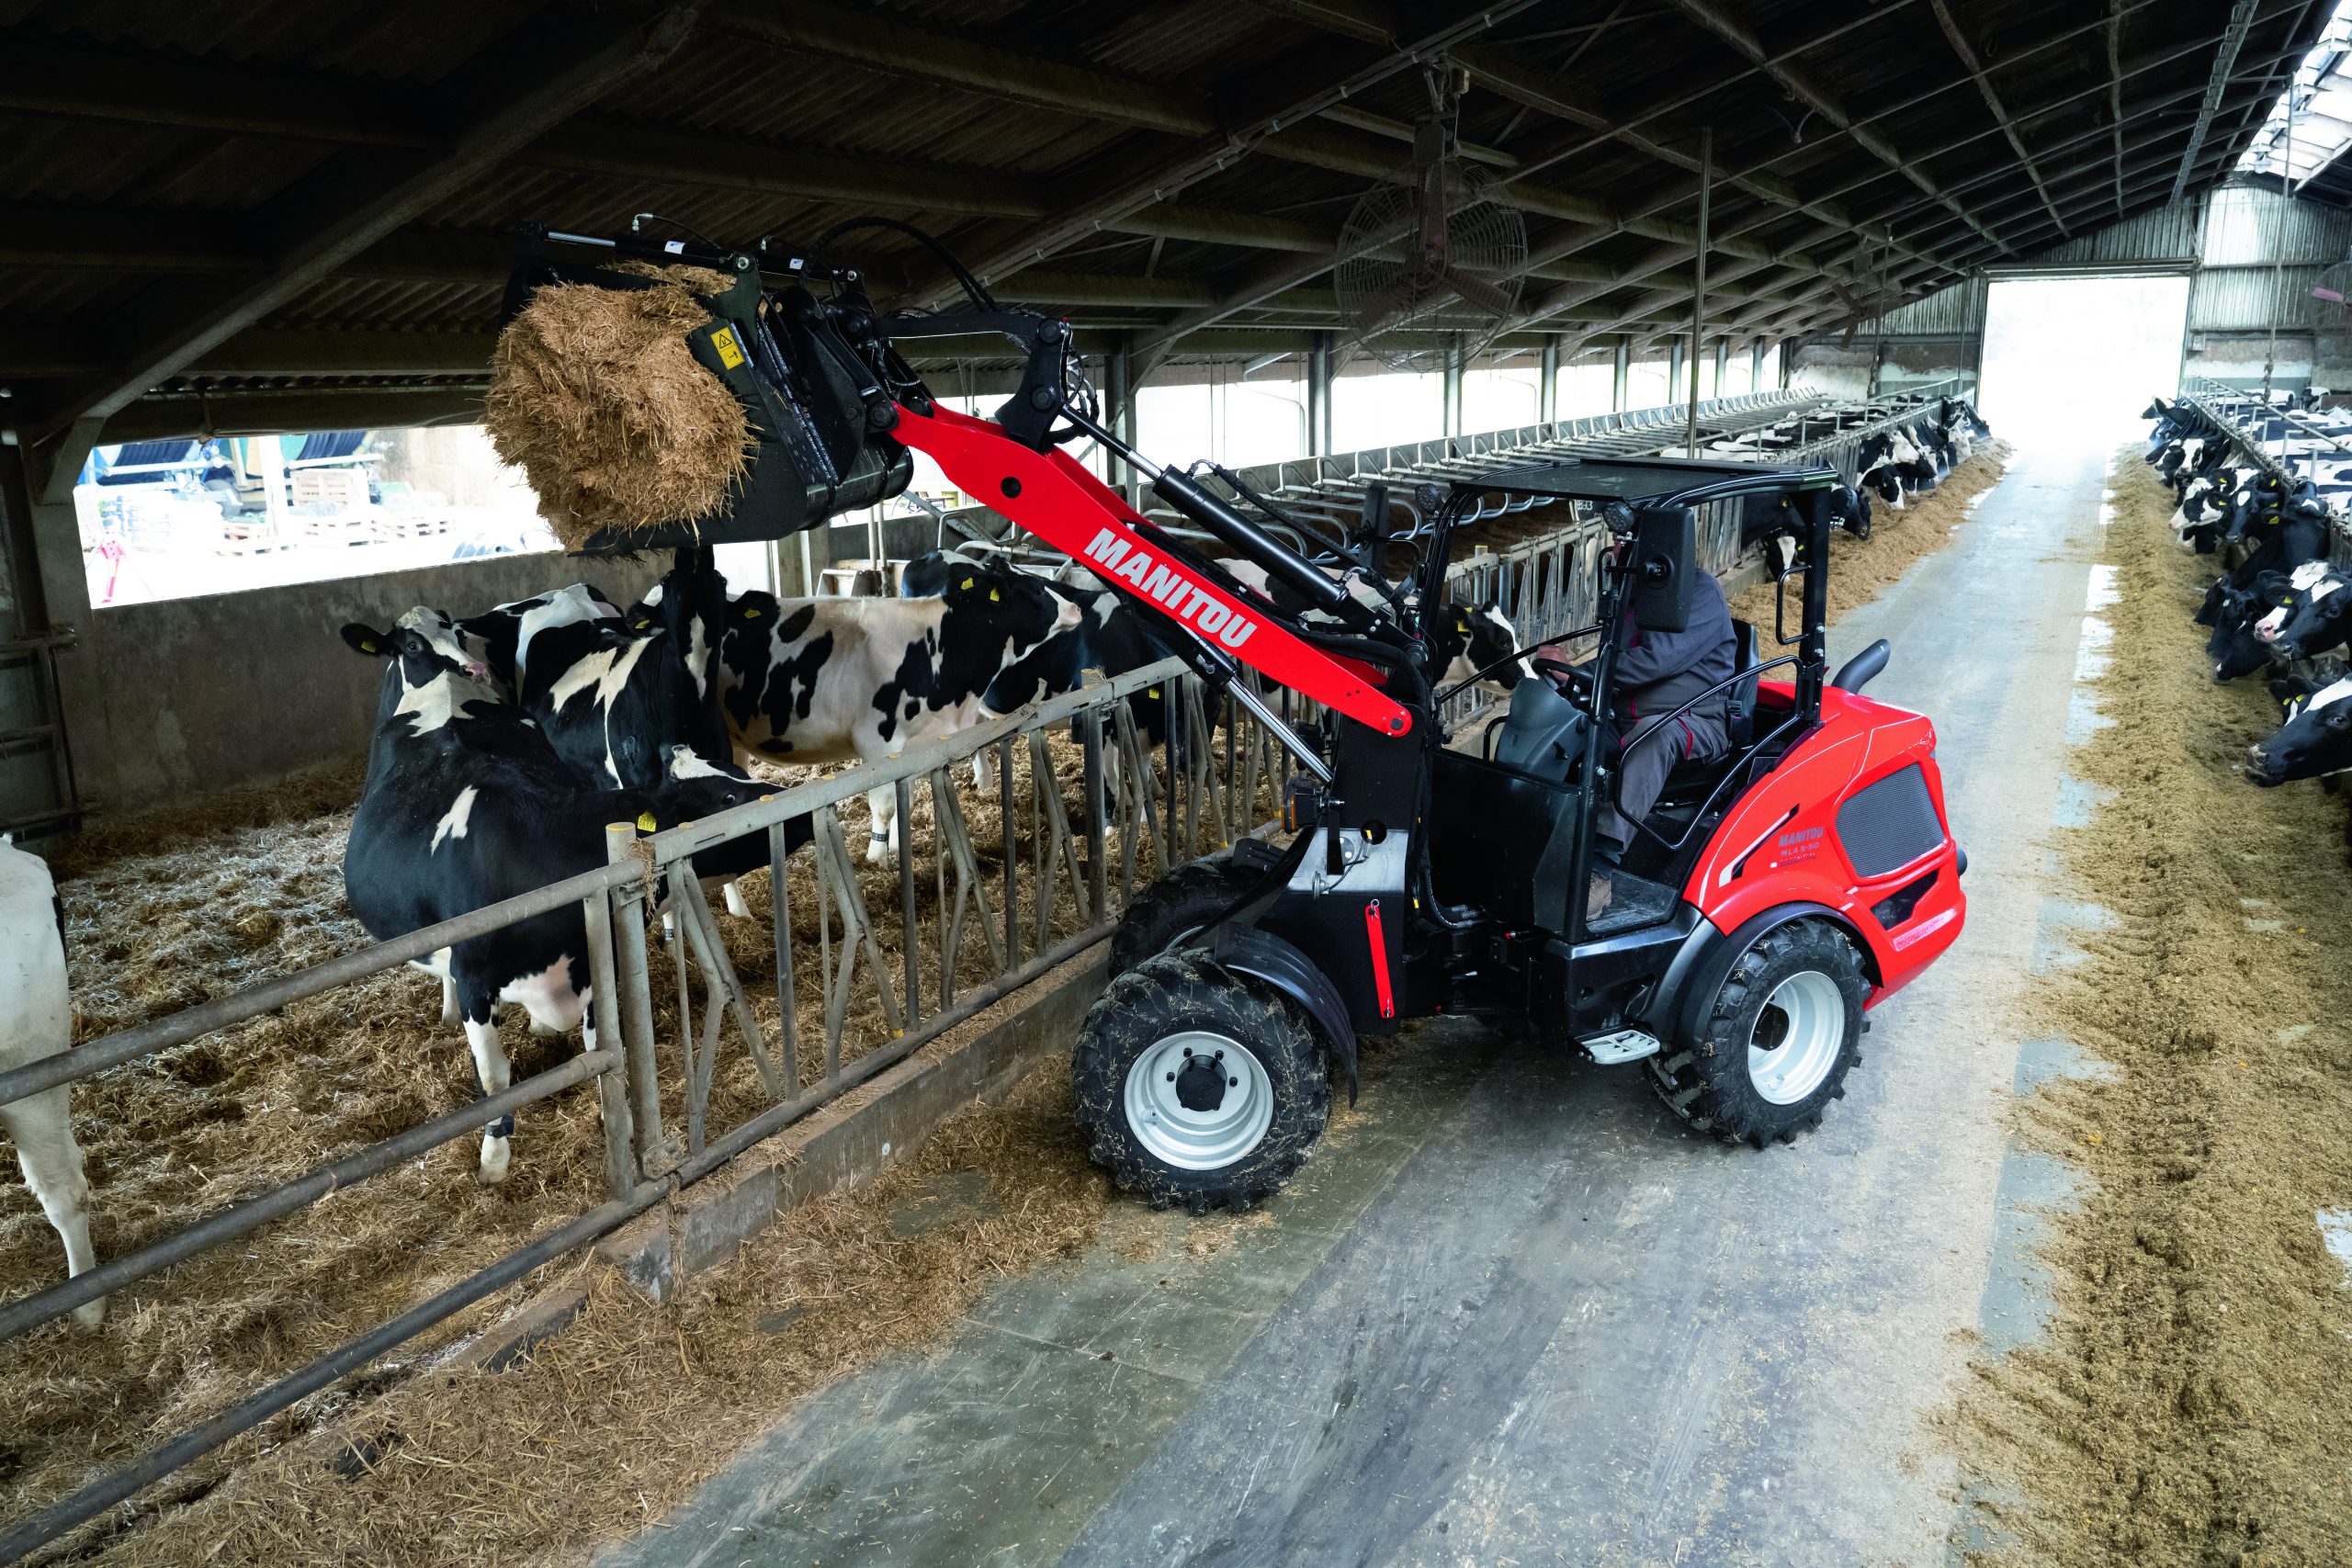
282 1172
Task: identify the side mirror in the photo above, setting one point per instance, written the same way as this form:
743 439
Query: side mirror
1664 555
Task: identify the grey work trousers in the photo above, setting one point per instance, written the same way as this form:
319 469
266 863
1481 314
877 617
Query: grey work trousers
1645 760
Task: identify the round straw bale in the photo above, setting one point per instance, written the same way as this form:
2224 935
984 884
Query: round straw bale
595 393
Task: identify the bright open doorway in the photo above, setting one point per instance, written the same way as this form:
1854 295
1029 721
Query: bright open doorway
2076 359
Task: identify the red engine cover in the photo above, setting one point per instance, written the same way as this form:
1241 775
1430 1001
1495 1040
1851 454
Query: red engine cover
1780 844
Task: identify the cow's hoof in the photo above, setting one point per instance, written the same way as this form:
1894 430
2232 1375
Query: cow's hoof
878 852
91 1315
735 905
496 1155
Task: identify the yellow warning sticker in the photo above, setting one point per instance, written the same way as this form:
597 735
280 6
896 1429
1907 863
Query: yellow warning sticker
731 353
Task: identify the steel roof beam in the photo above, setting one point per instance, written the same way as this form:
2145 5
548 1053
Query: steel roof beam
1975 67
196 95
512 92
1710 15
2225 64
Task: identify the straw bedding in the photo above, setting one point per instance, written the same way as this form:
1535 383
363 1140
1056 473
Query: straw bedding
594 394
1860 569
170 909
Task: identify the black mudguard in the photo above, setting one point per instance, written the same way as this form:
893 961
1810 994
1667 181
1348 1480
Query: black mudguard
1707 955
1249 951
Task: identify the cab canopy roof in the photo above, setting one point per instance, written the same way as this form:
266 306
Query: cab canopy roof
1647 481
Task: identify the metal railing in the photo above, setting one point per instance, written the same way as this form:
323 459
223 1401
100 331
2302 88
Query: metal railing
1549 586
1331 489
2250 427
857 983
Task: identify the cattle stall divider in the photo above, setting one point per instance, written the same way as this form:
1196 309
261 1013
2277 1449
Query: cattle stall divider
1139 813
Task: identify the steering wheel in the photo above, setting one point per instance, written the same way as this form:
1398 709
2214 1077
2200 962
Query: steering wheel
1564 674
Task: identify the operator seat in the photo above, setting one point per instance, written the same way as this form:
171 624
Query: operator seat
1543 736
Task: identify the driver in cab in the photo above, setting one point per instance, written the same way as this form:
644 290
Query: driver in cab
1656 674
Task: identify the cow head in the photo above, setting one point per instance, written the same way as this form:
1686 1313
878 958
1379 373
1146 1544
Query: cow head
993 617
426 654
2236 648
1463 641
1885 482
2314 617
2157 409
2316 739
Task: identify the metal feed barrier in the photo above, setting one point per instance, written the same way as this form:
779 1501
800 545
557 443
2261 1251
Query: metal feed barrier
2242 420
1062 880
981 938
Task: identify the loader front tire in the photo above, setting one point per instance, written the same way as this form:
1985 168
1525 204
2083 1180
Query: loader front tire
1198 1085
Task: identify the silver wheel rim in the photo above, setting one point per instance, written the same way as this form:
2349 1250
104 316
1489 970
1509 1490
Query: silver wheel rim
1796 1038
1193 1139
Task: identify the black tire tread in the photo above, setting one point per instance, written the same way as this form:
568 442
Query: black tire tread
1705 1081
1182 898
1174 990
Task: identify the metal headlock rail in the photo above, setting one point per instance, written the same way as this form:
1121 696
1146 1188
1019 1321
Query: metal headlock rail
2248 425
1141 813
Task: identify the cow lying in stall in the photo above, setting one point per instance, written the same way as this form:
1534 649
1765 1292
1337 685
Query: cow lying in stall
35 1022
467 803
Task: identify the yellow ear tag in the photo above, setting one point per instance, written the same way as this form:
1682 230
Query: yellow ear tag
751 615
1153 693
994 597
645 823
967 583
367 647
645 625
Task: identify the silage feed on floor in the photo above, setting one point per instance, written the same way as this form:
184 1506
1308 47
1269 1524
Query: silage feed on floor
168 910
2186 1404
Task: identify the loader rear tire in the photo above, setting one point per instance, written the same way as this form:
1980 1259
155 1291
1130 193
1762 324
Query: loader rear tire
1774 1044
1198 1085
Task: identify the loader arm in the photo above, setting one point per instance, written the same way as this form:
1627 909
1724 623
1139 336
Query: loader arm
1053 497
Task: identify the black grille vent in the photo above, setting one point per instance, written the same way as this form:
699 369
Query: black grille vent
1890 824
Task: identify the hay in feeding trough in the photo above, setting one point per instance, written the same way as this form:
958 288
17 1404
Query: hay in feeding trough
595 395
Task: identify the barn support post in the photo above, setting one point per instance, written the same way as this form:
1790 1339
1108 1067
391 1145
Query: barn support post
1119 394
1699 287
50 469
1756 365
1318 397
1453 374
1547 386
1621 372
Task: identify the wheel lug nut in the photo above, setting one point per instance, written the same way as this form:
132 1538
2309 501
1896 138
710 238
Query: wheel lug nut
1220 1055
1233 1083
1172 1077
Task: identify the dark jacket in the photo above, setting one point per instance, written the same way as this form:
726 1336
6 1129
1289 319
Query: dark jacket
1657 671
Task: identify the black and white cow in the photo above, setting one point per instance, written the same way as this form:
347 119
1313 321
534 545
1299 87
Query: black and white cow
466 804
493 636
2315 739
812 680
35 1022
616 694
2316 615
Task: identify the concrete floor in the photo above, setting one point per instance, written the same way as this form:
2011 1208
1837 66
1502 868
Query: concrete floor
1516 1315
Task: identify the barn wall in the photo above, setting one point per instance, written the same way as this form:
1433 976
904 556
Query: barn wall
205 695
2253 256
